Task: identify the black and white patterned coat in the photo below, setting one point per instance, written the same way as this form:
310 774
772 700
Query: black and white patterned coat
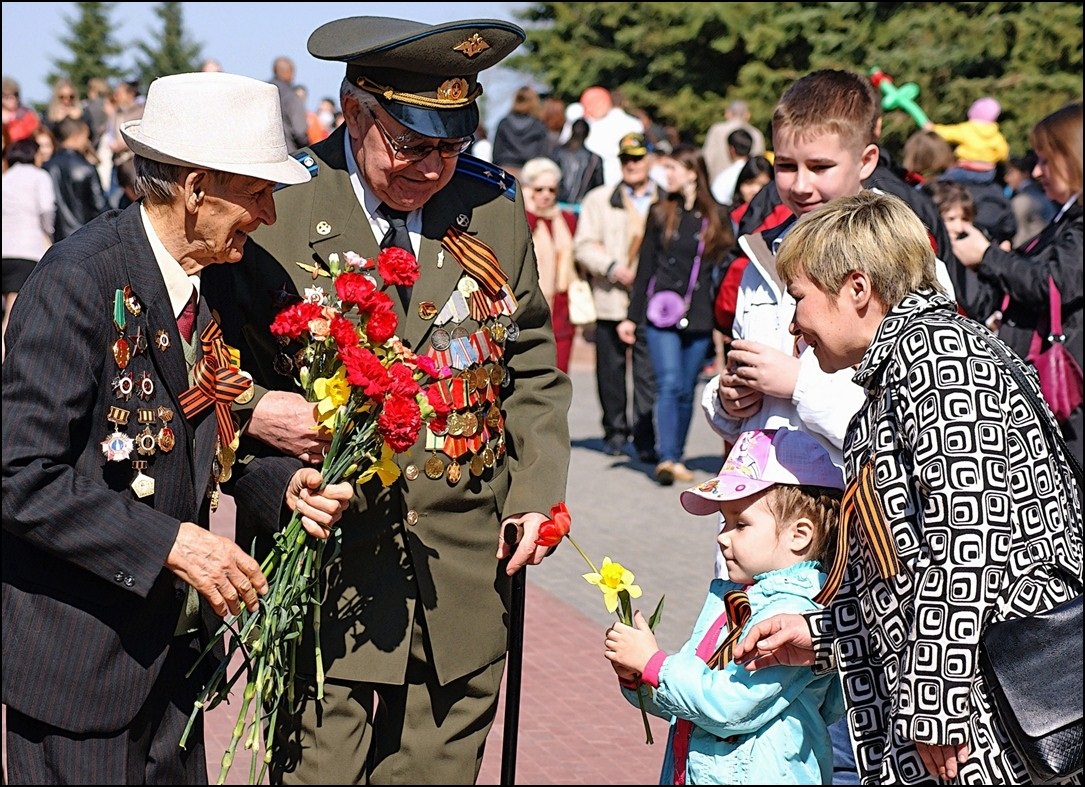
978 508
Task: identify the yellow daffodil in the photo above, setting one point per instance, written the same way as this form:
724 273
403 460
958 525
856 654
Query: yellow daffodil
613 578
332 393
385 468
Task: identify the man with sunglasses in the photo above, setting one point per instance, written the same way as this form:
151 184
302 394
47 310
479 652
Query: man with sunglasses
415 604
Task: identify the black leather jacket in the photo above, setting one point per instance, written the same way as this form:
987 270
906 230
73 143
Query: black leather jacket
78 189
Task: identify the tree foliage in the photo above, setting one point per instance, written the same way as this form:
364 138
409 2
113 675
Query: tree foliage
172 52
91 47
684 62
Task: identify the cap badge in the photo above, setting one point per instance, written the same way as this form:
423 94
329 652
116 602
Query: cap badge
472 46
452 90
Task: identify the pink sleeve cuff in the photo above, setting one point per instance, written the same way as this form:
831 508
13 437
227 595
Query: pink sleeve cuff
651 669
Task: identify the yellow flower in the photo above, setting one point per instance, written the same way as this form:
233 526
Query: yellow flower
613 578
332 393
385 468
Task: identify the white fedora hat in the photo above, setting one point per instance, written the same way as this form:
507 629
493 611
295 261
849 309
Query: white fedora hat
215 120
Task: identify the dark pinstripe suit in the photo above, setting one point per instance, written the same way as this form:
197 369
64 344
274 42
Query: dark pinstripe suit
89 610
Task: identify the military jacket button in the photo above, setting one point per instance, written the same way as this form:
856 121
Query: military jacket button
411 472
412 517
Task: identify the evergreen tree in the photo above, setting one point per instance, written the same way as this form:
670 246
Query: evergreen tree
684 62
90 45
174 54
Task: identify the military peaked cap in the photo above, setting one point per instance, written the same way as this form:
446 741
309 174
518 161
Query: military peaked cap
425 76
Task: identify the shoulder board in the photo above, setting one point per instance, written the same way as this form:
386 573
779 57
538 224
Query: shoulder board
487 172
307 160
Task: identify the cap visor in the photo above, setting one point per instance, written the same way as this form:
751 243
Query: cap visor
437 123
701 501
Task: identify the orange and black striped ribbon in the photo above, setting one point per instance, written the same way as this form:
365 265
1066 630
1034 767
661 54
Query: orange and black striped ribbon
737 604
477 259
861 507
217 383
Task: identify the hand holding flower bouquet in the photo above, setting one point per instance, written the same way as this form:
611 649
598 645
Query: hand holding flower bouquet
613 579
373 396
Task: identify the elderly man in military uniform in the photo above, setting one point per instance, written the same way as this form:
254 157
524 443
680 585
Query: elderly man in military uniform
415 604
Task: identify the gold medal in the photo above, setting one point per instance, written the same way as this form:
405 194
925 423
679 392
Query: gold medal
434 468
482 378
469 422
477 466
488 457
493 416
166 440
142 484
497 374
455 424
427 310
246 396
453 473
145 442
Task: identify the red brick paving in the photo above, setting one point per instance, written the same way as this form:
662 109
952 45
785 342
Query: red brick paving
575 727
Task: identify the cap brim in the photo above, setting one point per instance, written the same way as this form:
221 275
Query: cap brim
288 171
437 123
638 152
705 498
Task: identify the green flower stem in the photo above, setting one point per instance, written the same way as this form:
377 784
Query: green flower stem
626 617
582 553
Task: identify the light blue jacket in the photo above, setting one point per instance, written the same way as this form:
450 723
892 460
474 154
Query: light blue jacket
769 726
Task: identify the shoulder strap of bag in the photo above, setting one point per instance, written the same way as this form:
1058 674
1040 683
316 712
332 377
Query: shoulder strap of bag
1054 300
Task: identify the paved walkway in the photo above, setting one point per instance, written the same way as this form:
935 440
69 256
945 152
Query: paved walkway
575 727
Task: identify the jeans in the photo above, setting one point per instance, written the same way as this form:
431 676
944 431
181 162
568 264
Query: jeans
844 771
677 360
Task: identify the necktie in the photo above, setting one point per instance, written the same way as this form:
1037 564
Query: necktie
397 236
186 321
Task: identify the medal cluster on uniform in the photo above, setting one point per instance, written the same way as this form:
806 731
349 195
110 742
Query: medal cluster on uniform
473 434
133 388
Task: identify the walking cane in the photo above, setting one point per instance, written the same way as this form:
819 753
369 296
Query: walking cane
513 671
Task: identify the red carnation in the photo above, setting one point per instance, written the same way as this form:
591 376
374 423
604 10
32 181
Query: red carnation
400 422
354 289
344 332
294 320
382 325
365 371
403 382
397 266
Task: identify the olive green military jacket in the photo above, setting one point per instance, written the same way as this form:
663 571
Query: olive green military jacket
422 541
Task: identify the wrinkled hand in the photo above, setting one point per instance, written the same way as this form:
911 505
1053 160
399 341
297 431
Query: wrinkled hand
942 762
782 639
630 647
319 510
763 368
517 538
623 275
287 422
738 399
970 246
217 568
627 331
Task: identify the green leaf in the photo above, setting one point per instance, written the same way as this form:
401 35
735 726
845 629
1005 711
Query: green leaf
652 621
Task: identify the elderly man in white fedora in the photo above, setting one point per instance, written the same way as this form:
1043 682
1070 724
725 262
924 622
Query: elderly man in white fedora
112 580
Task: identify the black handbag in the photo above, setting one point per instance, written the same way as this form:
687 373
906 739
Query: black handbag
1033 665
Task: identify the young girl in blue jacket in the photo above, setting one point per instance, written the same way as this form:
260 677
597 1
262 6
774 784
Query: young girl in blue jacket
779 494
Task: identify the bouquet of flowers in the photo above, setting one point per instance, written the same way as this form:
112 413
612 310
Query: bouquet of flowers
613 579
372 395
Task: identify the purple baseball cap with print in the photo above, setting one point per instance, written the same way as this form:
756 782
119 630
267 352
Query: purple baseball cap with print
759 459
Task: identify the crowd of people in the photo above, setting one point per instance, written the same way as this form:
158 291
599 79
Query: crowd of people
882 465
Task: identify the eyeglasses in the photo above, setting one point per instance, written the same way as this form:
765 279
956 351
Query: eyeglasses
548 189
447 149
65 95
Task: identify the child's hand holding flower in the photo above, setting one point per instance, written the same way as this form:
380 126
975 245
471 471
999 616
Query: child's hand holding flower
629 648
